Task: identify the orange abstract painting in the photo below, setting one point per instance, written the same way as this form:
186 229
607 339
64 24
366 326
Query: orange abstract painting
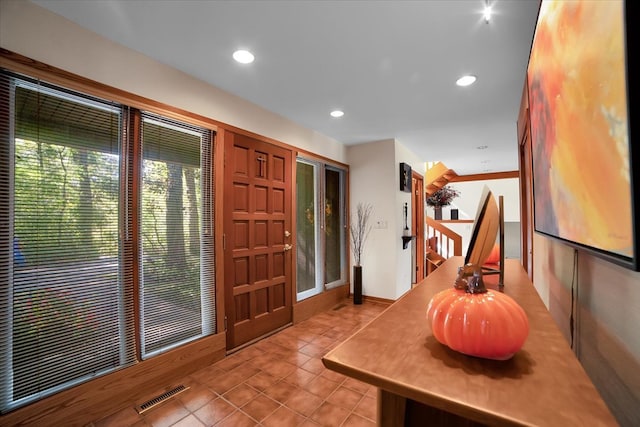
579 125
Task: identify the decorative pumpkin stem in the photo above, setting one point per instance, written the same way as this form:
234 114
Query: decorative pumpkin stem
474 284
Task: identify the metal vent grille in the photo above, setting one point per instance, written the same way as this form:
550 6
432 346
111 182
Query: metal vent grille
159 399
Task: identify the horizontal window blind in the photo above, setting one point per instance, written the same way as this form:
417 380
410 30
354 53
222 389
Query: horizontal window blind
66 301
177 280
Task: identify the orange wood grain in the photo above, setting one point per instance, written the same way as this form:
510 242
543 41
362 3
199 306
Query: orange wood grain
89 401
543 384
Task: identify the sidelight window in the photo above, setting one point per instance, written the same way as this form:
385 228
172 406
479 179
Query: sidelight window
176 286
321 244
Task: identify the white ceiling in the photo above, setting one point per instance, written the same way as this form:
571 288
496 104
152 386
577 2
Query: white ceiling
390 65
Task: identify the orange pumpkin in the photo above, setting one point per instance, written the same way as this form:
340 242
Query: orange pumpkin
494 255
478 322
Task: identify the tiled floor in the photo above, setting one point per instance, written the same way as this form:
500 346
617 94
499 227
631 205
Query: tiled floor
279 381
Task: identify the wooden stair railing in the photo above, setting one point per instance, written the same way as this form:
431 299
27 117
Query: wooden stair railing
442 243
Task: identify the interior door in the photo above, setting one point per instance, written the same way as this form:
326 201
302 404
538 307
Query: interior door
526 203
417 226
257 238
526 191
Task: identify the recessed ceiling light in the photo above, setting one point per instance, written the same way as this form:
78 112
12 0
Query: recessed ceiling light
486 13
243 56
466 80
337 113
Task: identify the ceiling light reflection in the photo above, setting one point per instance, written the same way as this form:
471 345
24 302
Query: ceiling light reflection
466 80
243 56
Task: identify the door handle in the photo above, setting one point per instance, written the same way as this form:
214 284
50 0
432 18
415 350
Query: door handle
287 247
286 233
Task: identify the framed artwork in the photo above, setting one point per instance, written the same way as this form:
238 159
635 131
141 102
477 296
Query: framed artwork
405 177
585 188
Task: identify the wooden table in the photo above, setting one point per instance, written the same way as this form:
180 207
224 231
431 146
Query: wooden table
422 382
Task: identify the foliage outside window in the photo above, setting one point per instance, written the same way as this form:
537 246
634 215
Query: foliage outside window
321 236
68 186
172 284
64 208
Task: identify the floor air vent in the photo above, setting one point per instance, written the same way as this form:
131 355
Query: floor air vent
159 399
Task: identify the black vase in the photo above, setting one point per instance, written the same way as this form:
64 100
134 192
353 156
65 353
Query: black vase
357 284
437 212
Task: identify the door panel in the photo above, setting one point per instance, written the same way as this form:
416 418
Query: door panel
257 216
526 190
417 226
308 282
526 203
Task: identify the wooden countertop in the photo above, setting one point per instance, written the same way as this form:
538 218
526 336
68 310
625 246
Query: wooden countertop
543 384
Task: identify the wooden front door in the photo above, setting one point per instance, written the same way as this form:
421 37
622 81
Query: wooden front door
257 238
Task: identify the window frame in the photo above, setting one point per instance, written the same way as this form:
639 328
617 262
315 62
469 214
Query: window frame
206 278
321 166
127 228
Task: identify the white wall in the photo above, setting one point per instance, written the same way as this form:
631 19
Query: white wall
470 192
372 180
375 178
32 31
467 205
406 261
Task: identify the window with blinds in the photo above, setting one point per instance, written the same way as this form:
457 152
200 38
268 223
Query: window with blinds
64 293
176 285
76 211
